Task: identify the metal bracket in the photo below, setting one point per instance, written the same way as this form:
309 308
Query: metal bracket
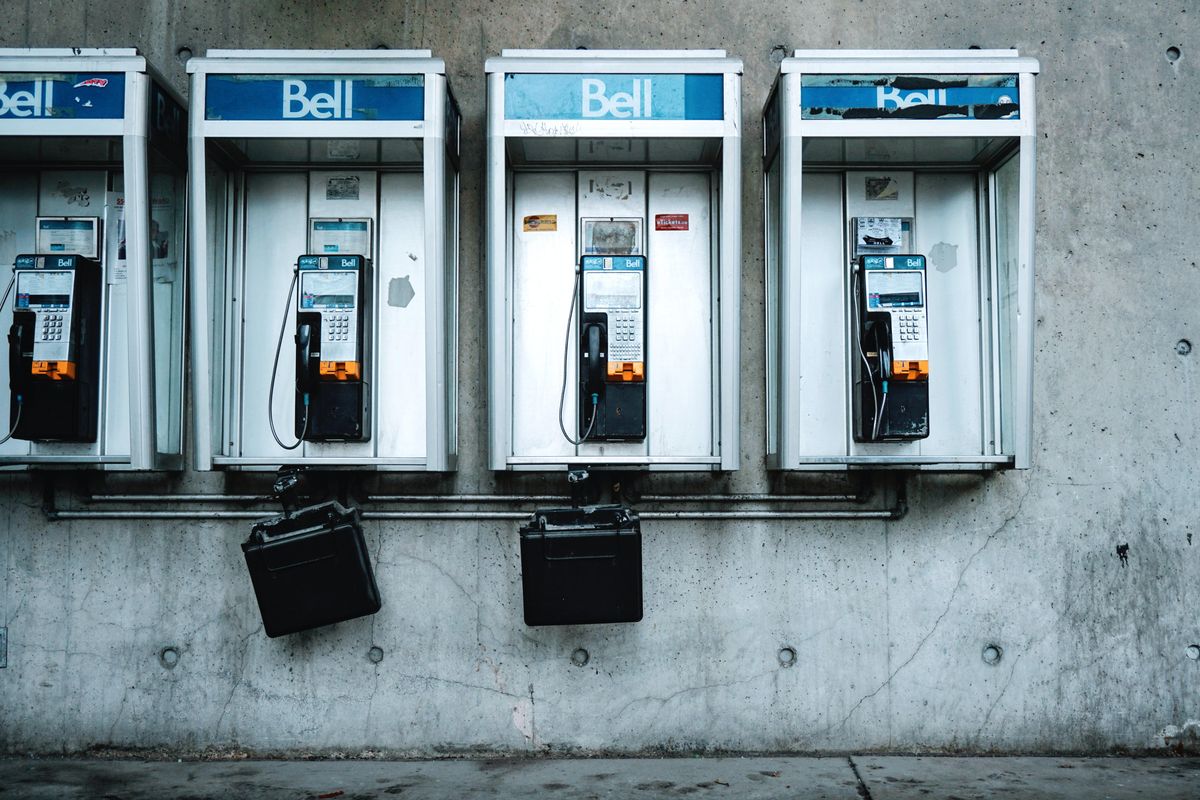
579 481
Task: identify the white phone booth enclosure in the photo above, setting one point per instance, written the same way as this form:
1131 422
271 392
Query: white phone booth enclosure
628 152
931 153
324 152
93 157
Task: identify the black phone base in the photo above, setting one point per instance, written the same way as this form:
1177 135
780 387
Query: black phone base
620 413
338 411
905 414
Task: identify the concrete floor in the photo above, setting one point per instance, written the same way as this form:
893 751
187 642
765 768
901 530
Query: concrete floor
832 778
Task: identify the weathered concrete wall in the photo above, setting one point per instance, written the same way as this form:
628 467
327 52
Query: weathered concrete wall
888 619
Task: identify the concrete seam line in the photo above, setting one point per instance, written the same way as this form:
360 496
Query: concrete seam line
863 791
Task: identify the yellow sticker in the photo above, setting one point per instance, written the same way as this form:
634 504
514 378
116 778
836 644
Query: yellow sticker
541 222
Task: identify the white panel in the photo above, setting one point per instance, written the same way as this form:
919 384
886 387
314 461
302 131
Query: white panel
216 246
115 379
543 279
773 228
18 209
400 351
824 407
349 193
947 235
343 193
614 193
679 354
276 226
72 193
858 204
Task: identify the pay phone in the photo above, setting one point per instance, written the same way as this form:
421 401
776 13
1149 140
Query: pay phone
612 349
54 349
892 349
333 396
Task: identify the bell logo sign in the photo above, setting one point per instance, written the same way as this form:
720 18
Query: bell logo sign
27 102
899 99
337 104
621 105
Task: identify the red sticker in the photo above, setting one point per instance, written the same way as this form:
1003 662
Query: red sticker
670 222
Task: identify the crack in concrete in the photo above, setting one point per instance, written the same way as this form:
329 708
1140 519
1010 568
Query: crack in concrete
686 690
241 674
463 684
988 717
120 713
440 570
937 622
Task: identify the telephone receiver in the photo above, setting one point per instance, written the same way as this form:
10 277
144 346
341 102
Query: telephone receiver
883 343
593 337
305 368
19 349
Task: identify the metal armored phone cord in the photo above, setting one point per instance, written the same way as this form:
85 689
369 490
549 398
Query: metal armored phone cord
20 399
562 397
858 323
275 370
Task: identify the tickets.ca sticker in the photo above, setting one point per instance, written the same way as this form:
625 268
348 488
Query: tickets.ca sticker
541 222
670 222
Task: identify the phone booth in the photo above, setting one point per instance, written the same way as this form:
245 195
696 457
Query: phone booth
325 243
613 259
899 223
92 180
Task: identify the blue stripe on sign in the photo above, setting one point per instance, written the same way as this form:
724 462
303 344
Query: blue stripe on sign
84 95
885 97
315 97
614 96
909 97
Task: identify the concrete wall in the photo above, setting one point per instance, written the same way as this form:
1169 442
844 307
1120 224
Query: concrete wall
888 619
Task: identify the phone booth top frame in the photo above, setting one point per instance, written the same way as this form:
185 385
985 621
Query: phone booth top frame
789 122
565 121
436 125
149 114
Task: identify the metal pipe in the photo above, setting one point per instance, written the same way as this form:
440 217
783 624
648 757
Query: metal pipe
768 515
374 498
201 515
751 498
179 498
468 498
481 498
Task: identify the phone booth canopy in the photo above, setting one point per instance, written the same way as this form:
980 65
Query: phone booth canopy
325 244
899 224
613 259
92 176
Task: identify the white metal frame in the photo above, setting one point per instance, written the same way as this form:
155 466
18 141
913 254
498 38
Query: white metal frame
133 130
498 244
441 361
792 132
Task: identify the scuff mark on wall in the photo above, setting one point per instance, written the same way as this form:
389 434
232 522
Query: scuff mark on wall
74 195
1123 554
944 256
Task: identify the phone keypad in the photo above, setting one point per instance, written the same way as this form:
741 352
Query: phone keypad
625 337
911 326
52 327
338 326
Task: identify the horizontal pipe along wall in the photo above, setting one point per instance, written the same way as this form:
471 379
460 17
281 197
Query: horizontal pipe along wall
1047 610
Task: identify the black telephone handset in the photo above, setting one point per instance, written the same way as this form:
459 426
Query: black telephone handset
883 343
593 342
307 362
18 356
